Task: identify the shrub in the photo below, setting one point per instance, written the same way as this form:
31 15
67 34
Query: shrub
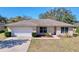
77 30
75 34
2 31
34 34
8 34
47 34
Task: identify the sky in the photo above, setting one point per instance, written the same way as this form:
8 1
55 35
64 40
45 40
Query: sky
31 11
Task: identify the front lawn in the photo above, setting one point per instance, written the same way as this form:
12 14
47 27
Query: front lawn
61 45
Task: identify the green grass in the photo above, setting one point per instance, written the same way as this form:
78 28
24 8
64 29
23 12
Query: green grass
2 36
61 45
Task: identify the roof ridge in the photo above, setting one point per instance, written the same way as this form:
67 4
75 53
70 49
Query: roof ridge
40 22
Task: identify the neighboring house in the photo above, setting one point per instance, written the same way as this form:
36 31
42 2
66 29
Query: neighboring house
76 24
40 26
2 26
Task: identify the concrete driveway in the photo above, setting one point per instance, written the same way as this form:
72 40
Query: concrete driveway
22 47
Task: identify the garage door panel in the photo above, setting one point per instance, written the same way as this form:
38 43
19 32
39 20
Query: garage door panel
22 32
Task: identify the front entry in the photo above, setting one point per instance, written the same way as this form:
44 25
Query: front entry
54 31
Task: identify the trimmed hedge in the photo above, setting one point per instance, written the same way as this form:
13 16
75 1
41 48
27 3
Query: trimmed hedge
8 34
75 34
2 31
34 34
47 34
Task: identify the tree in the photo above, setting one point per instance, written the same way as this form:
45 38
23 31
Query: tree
19 18
3 19
60 14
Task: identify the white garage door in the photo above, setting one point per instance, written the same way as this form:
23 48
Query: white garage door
22 32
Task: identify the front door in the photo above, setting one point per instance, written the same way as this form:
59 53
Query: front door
54 30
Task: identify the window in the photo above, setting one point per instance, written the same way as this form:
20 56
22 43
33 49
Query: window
64 29
43 29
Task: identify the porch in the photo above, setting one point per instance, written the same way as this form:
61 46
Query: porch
43 30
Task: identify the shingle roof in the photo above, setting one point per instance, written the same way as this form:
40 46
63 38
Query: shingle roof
39 22
22 23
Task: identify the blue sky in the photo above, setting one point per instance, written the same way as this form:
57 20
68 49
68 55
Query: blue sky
31 11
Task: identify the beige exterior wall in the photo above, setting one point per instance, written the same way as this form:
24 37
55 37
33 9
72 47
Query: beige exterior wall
49 30
70 31
58 30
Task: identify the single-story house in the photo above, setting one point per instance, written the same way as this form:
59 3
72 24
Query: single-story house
40 26
2 26
76 24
